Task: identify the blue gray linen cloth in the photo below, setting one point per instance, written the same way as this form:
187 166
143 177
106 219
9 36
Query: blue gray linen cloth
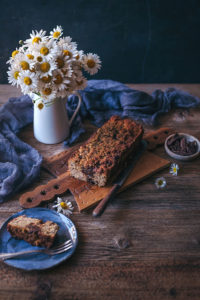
20 163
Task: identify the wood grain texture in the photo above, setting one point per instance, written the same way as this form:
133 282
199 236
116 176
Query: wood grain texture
146 246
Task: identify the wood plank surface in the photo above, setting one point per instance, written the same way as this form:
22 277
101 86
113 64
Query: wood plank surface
145 246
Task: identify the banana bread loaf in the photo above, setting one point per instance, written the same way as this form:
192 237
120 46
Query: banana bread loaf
103 156
33 230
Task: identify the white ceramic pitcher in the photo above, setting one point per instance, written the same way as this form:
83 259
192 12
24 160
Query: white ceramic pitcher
51 124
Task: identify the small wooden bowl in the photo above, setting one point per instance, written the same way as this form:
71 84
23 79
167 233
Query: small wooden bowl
189 138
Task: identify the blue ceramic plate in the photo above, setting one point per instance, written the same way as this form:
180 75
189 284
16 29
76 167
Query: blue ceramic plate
38 261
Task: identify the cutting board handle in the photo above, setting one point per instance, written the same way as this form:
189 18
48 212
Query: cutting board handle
157 137
54 187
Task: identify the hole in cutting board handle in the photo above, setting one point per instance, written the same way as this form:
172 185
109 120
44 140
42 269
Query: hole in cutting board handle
43 192
29 200
56 186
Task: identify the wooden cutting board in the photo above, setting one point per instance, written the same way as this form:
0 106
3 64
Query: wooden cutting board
86 194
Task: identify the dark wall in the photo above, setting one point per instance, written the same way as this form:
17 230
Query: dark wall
137 40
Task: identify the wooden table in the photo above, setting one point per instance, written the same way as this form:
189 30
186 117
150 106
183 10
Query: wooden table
146 245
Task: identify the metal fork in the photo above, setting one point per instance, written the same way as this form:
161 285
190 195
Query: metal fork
52 251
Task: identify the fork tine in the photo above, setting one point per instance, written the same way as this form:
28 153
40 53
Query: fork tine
62 249
61 245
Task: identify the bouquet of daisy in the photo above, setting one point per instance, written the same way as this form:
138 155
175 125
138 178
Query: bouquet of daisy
50 66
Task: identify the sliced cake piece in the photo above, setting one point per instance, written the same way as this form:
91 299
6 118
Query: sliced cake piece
105 154
33 230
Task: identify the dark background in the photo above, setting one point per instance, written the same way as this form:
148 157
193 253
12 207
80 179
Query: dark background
150 41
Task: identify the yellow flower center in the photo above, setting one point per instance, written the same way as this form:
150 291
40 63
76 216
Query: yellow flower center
46 79
77 56
16 74
47 91
63 205
32 70
36 39
174 170
67 53
39 58
24 65
90 63
160 182
27 80
44 67
58 79
15 52
30 56
44 50
40 105
56 34
60 62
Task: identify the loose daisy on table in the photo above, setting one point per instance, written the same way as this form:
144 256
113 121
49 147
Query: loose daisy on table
63 206
48 67
160 182
174 168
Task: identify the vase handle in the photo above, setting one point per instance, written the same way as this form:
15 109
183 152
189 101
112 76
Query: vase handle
77 108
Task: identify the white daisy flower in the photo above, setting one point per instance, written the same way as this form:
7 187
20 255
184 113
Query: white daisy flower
48 92
79 81
56 33
69 51
160 182
63 64
63 206
36 38
59 80
14 54
79 55
174 168
30 55
45 80
64 40
91 63
67 71
40 105
28 82
50 66
64 93
47 50
22 62
13 75
46 67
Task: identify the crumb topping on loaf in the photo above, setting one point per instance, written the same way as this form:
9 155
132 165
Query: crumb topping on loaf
105 150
